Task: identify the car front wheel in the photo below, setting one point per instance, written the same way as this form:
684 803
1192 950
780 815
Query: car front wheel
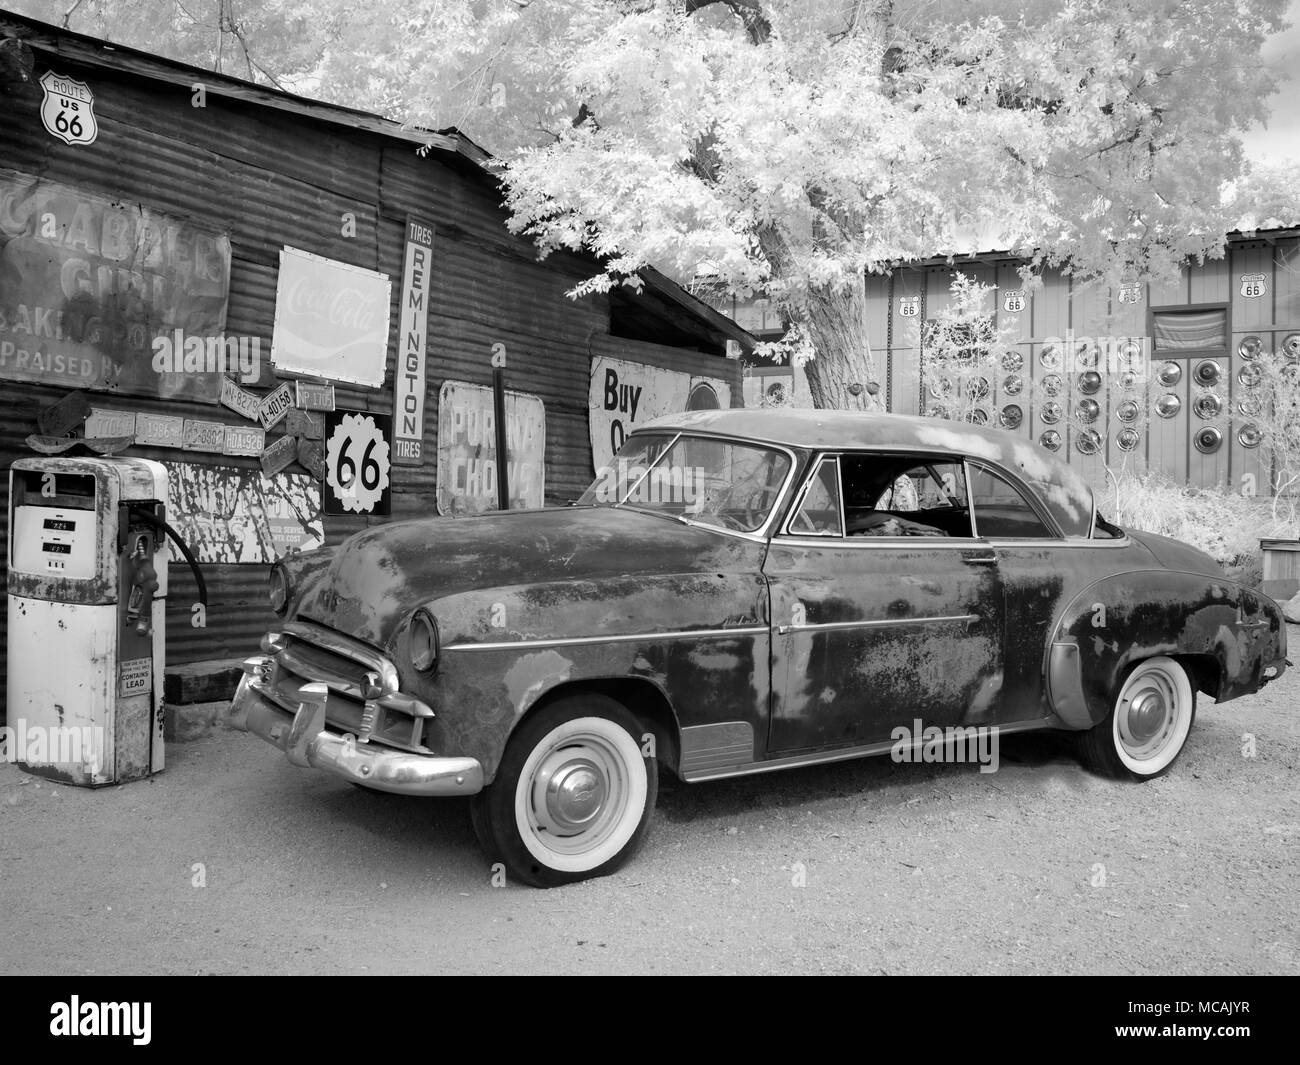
573 795
1148 725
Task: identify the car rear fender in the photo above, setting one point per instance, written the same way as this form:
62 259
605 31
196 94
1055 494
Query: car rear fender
1230 640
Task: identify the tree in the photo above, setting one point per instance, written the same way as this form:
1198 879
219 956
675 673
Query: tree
1272 404
275 42
962 350
792 147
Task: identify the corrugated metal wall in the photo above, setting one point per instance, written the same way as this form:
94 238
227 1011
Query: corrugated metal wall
271 179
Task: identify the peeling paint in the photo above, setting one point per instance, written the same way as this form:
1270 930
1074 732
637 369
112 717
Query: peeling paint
532 674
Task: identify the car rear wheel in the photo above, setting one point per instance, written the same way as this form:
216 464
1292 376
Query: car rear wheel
1148 725
573 796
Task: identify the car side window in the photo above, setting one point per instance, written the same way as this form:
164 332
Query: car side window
1001 509
904 495
821 512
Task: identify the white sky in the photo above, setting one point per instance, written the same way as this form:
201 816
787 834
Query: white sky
1281 138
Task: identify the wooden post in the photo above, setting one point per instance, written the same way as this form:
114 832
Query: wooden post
503 466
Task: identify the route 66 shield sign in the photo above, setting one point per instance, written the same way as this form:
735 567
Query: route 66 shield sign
1014 301
68 109
909 306
1253 286
1130 292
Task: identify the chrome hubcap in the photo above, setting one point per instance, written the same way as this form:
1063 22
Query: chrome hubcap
1145 715
575 794
578 794
1149 717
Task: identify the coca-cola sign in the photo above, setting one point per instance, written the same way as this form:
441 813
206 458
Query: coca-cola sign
331 319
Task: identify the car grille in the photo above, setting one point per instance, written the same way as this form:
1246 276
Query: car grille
350 670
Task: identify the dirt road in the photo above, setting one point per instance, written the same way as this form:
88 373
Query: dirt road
232 861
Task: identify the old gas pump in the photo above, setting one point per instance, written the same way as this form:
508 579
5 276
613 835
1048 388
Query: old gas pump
87 592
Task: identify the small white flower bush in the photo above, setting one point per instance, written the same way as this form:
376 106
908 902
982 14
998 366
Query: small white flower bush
1226 525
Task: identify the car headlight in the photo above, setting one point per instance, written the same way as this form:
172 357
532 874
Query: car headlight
424 641
278 589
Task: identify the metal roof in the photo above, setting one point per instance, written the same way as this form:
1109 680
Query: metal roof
1066 494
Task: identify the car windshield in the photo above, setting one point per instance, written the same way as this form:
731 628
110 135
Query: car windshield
700 479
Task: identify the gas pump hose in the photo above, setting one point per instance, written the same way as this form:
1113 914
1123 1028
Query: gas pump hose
149 518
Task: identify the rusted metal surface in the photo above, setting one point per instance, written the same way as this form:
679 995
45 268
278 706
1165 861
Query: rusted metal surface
741 650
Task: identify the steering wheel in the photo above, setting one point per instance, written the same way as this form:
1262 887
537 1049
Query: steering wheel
761 500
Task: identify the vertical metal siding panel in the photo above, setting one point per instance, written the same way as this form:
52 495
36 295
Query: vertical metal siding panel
1173 293
1285 282
877 299
1208 281
1052 308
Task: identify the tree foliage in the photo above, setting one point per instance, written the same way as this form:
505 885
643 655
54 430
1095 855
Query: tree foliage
794 147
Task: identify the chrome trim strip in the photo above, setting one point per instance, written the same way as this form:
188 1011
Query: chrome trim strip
839 626
801 496
856 543
945 543
658 459
1027 493
865 751
1065 541
628 637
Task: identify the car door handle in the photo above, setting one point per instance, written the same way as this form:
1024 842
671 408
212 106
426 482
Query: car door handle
989 559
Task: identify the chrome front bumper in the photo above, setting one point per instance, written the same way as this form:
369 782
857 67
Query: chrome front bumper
299 730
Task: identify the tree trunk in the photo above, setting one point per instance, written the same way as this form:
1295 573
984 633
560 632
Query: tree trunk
843 375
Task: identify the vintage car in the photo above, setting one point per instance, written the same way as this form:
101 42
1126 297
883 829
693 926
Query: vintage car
743 591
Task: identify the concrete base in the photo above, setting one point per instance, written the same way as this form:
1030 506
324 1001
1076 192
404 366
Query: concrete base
181 724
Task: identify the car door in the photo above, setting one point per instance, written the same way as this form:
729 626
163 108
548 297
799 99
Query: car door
883 614
1041 570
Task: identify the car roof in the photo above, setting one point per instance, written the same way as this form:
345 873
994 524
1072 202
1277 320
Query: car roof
1066 494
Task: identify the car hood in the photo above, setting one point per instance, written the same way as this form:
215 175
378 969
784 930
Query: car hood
379 576
1176 555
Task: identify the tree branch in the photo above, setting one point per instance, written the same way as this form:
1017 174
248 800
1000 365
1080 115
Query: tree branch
750 12
70 12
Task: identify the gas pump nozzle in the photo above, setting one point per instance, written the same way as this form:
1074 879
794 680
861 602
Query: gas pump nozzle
144 582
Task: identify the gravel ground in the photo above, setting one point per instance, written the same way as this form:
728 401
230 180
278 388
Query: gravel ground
232 861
